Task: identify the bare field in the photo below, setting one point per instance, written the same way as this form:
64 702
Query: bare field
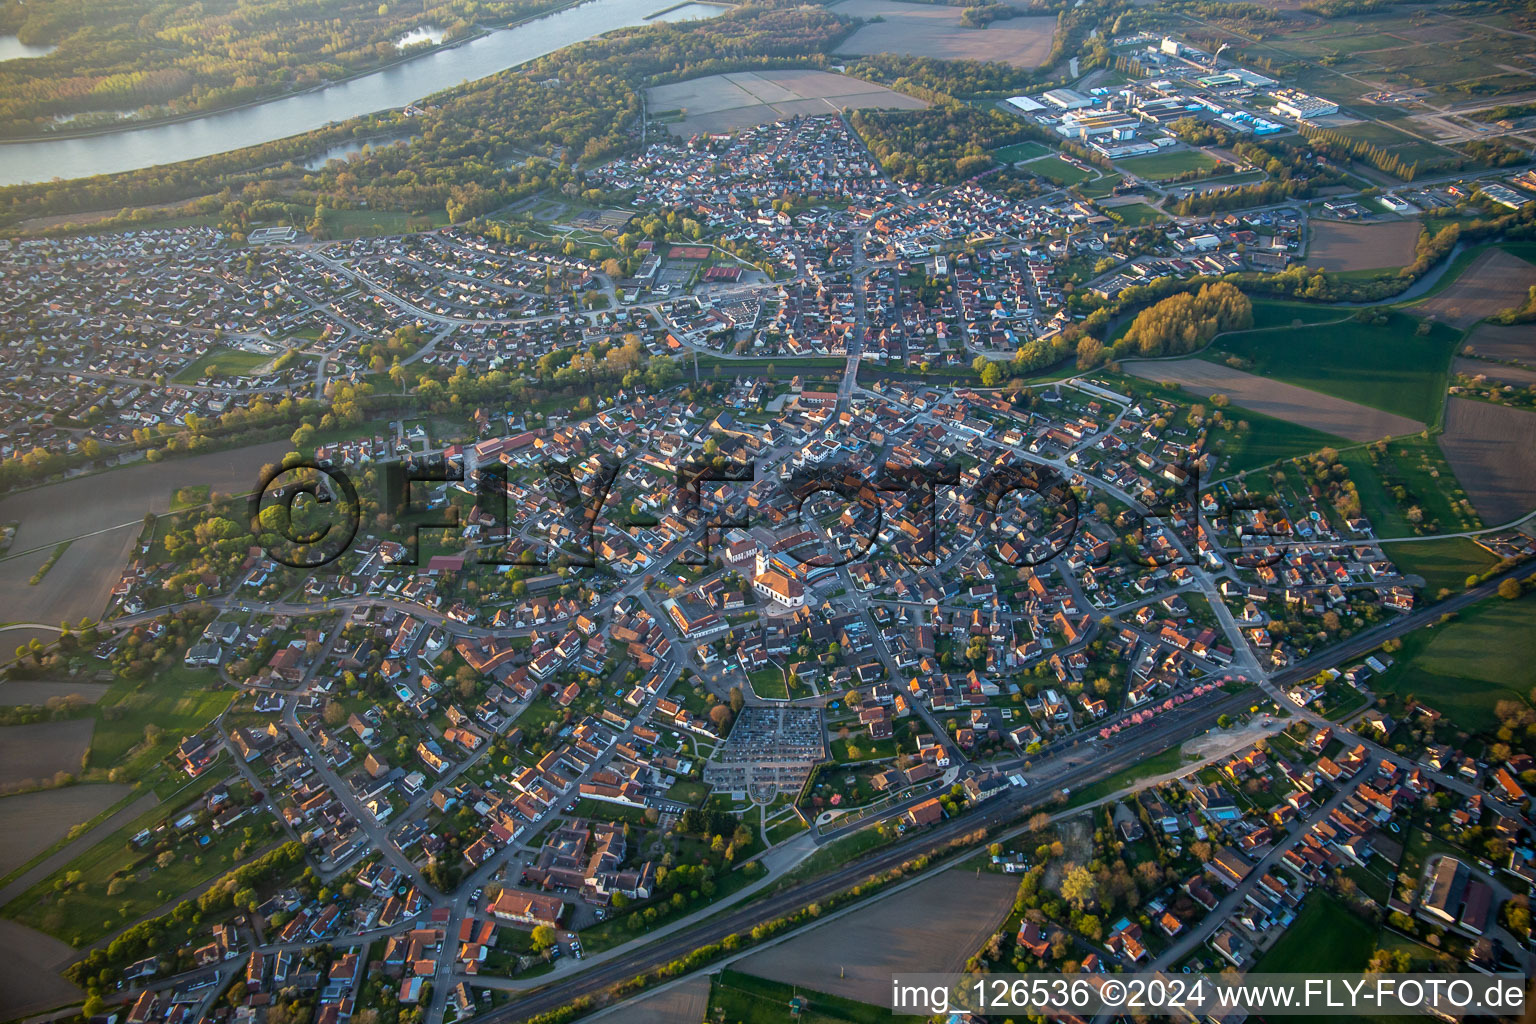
687 1001
1495 281
923 30
933 926
1515 344
1492 448
1348 246
101 515
32 822
1519 376
18 692
120 497
75 587
724 103
29 965
1282 401
40 750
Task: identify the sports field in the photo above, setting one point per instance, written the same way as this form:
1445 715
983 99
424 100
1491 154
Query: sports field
1019 151
1159 166
1054 168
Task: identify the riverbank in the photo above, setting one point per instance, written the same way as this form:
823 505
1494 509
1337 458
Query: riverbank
480 32
290 117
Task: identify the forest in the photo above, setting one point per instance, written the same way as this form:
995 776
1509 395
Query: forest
1185 322
942 144
163 58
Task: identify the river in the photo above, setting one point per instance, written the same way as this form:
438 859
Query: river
390 88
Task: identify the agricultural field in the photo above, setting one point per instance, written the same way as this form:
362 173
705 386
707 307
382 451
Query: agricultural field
933 30
77 910
32 822
1267 440
1496 280
1498 373
1444 564
1493 450
1301 406
1463 668
1505 355
34 753
932 926
103 523
1491 342
1449 57
1160 166
21 692
686 1001
745 999
1271 313
29 966
720 103
1384 363
1347 246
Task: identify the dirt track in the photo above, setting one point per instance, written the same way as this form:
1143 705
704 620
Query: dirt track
1495 281
1282 401
1493 450
933 926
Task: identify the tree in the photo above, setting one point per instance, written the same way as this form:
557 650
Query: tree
1078 887
543 937
1509 589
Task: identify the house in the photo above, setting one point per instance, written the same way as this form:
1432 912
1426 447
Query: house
527 908
1229 866
1030 937
927 812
